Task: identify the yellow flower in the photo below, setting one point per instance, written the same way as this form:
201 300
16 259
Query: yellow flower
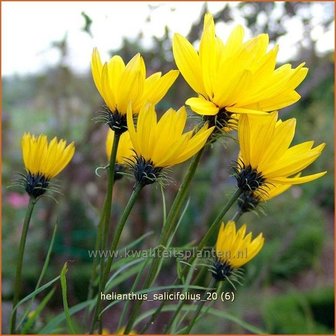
266 159
43 161
234 249
120 84
235 77
125 147
160 144
121 331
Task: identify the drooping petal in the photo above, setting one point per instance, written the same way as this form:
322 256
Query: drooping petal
202 106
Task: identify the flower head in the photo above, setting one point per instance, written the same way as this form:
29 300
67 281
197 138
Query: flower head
120 84
249 200
235 77
161 144
266 160
234 249
43 160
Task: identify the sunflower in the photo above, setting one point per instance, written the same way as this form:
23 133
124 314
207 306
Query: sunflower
43 160
120 84
266 160
234 249
235 77
161 144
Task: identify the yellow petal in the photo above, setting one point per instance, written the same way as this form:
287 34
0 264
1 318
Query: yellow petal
208 53
132 81
96 69
297 180
156 86
188 62
202 106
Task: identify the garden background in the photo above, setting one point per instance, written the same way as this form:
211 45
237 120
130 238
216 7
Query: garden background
289 287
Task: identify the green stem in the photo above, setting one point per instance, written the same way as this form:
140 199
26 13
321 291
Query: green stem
95 260
201 245
167 230
107 210
106 215
116 237
174 317
157 312
205 240
199 307
214 226
18 275
180 198
103 225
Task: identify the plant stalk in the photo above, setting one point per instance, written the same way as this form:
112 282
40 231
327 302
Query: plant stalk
201 245
103 225
114 244
18 274
219 218
199 307
168 228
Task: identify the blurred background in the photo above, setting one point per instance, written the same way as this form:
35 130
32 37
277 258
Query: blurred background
47 87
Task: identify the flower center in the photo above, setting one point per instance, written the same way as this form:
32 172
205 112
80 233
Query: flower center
36 185
221 120
145 172
221 270
249 179
248 201
117 122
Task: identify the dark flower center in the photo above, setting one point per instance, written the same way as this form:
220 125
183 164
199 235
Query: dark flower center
117 122
248 201
36 185
145 172
248 179
222 119
221 270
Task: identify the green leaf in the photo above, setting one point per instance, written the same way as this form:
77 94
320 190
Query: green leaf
37 291
121 270
137 241
57 320
211 311
65 300
37 312
123 276
44 269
